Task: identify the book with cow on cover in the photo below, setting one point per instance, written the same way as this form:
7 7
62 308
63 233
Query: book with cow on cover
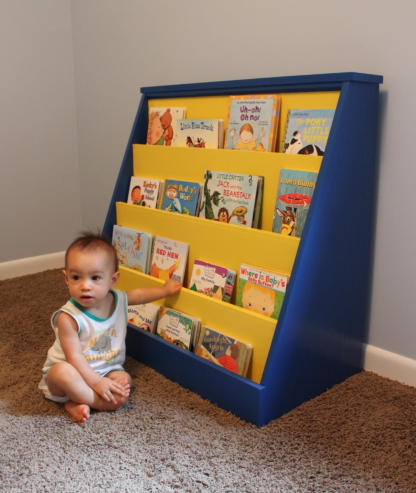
307 131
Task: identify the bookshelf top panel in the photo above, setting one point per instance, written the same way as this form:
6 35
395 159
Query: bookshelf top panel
316 82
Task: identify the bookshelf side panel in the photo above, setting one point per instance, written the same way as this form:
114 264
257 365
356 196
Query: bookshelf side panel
324 324
121 188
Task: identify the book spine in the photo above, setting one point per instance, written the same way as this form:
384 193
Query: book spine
229 286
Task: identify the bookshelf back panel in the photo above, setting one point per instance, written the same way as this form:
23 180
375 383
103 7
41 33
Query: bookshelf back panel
247 326
182 163
217 106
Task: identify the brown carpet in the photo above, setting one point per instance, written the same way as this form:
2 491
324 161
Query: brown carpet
360 436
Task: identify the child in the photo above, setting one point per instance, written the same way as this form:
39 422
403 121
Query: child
84 368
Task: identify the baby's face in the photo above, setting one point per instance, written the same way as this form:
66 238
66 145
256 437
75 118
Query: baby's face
89 275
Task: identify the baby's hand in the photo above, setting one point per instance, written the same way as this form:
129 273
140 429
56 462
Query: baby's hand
105 387
172 287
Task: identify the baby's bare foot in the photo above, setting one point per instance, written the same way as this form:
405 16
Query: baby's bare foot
80 412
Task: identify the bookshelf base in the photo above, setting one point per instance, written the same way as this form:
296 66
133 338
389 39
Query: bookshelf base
229 391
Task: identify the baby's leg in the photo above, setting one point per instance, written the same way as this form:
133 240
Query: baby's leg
121 377
63 379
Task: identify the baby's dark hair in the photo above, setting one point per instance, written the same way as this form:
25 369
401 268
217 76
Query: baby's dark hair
91 240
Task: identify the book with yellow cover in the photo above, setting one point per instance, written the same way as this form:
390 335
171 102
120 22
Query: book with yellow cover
261 290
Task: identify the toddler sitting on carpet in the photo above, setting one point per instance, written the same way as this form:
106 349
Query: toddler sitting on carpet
84 368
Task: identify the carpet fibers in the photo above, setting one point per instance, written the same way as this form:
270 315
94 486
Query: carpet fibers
360 436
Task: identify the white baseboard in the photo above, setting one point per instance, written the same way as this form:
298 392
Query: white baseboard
390 365
380 361
31 265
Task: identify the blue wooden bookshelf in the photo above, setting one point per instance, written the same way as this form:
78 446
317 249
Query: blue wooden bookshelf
319 338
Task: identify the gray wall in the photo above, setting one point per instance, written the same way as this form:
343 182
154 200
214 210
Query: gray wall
39 186
62 174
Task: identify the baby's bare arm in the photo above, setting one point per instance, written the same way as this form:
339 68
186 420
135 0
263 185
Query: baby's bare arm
146 295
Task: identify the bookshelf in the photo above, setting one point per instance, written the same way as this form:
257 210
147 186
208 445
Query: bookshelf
318 339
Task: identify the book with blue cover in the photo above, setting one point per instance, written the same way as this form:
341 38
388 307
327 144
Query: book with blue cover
133 247
294 196
307 131
181 197
229 197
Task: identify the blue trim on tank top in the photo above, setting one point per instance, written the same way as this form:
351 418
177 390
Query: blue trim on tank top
90 315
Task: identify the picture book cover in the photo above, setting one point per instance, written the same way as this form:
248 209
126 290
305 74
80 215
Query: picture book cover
294 195
212 280
261 290
133 247
177 327
307 131
252 122
143 316
181 196
229 197
163 125
144 191
202 132
223 350
169 259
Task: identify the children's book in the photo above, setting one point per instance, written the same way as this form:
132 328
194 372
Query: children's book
178 327
143 316
163 125
181 196
223 350
144 191
229 197
203 133
169 259
212 280
261 290
252 122
307 131
133 247
294 195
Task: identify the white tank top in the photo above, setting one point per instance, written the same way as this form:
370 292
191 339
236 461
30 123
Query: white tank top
102 340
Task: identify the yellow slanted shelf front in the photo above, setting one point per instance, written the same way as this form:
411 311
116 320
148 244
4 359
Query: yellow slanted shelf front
217 106
182 163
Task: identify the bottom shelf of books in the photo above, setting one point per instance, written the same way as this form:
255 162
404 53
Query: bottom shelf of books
236 322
